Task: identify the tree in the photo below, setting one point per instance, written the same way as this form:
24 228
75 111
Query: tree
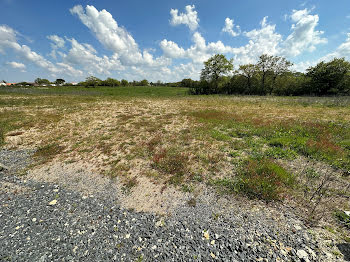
111 82
248 72
330 77
187 82
144 82
60 81
265 65
124 82
92 81
280 66
214 68
40 81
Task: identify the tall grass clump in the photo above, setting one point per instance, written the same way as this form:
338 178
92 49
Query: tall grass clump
263 179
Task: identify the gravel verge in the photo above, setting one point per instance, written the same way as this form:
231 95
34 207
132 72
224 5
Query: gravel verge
47 222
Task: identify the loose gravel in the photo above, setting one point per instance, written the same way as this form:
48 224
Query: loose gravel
46 222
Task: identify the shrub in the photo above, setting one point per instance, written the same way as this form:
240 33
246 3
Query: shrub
343 218
263 179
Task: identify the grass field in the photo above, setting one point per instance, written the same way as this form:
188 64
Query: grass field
292 149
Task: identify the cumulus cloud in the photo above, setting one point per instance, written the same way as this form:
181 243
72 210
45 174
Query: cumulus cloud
128 60
16 65
304 36
85 56
189 18
229 26
8 40
113 37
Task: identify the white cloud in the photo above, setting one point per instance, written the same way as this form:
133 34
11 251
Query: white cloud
189 18
264 40
171 49
112 36
57 42
229 26
16 65
304 36
8 40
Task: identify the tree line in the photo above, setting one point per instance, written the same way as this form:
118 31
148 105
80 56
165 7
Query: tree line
271 75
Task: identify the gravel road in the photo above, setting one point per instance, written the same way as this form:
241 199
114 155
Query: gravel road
46 222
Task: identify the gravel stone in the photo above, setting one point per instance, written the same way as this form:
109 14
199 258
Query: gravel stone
47 222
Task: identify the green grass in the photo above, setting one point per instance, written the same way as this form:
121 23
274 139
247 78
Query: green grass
118 92
259 178
324 141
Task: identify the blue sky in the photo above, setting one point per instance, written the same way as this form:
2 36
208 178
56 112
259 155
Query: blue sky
163 40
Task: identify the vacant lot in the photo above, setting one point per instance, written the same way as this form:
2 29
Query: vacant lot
159 140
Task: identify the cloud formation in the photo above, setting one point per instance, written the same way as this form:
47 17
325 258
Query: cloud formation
128 60
16 65
304 36
229 28
189 18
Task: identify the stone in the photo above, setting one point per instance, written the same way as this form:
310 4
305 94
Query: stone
303 255
3 167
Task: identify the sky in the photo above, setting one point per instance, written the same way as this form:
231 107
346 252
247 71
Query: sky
162 39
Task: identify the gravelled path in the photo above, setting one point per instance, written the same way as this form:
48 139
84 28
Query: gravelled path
43 222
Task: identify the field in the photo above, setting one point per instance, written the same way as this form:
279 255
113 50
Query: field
290 150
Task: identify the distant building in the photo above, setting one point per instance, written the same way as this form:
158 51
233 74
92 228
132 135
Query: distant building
3 84
10 84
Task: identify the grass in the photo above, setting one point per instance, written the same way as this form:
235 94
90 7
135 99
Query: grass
128 91
259 178
239 144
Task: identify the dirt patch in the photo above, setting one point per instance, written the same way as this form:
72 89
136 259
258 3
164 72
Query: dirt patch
83 177
150 197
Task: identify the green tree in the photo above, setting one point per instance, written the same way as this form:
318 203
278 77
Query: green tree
248 71
280 66
111 82
330 77
265 65
43 81
214 68
124 82
92 81
60 81
144 82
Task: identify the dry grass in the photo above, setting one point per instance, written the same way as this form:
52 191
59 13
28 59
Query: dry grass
180 140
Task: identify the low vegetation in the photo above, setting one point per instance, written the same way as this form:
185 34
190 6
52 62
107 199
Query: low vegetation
291 149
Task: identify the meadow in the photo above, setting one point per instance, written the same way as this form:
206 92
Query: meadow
293 150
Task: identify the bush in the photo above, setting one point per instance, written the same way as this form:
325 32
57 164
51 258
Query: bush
342 218
263 179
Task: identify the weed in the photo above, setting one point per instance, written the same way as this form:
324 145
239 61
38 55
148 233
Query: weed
48 152
281 153
343 218
311 174
131 182
192 202
263 179
187 188
139 259
330 229
171 162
